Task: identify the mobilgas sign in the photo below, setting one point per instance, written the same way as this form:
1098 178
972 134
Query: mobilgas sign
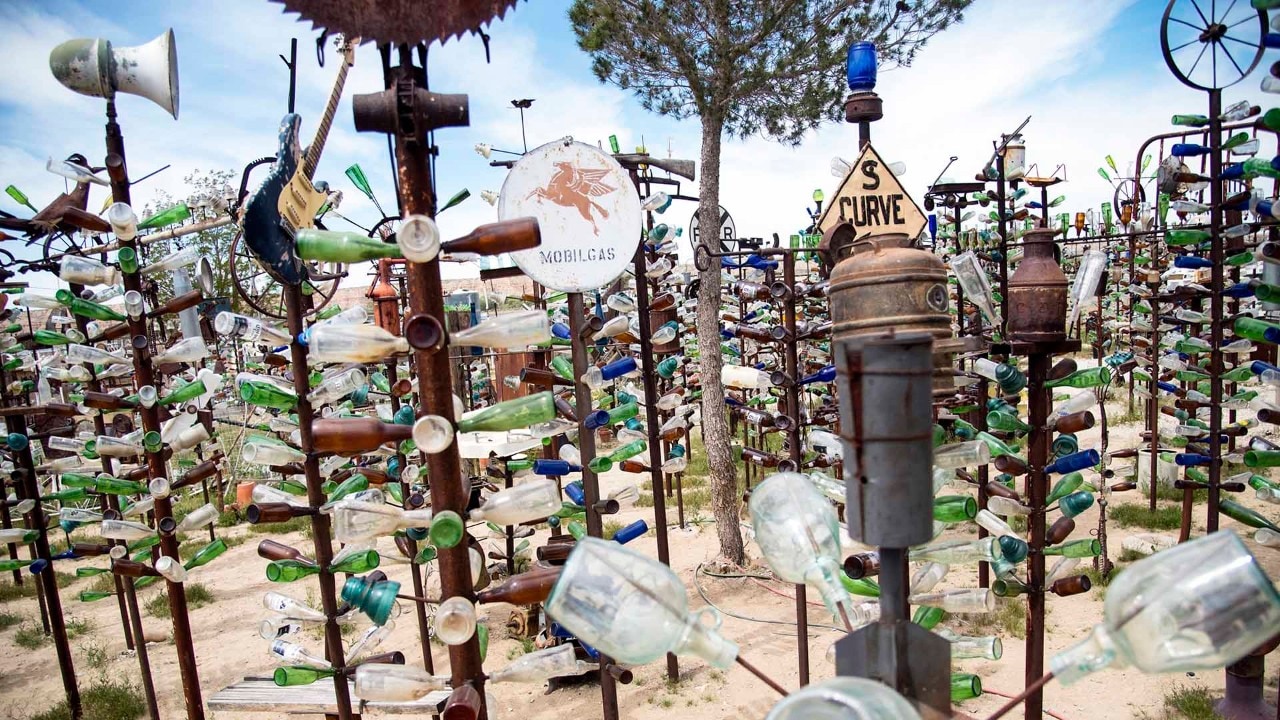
873 200
587 210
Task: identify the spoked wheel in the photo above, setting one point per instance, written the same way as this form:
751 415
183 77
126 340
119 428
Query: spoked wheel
266 296
57 244
1128 192
1212 44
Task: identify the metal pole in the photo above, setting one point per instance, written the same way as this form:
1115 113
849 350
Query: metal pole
793 441
1215 309
1038 402
144 375
652 422
590 483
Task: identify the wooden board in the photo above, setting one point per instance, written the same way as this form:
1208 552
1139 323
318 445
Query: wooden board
263 695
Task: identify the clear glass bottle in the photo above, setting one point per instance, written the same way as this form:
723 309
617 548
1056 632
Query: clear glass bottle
353 343
512 330
1200 605
633 608
541 665
395 683
844 698
532 500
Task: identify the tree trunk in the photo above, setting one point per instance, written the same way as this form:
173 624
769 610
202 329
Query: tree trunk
725 497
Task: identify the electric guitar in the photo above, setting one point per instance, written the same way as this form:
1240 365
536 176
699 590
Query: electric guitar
287 201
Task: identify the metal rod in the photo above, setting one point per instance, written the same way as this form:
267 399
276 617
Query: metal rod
415 571
1215 309
1034 687
763 678
590 483
425 294
792 360
1038 402
144 374
648 361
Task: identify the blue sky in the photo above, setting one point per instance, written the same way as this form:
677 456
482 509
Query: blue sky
1088 71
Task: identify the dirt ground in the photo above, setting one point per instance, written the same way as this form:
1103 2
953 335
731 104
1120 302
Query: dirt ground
229 648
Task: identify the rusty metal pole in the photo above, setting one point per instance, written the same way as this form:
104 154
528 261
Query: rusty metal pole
648 375
1001 187
426 297
25 479
1215 309
792 360
1038 407
590 483
144 375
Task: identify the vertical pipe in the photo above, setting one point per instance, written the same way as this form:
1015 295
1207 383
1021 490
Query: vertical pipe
1038 401
793 441
1004 242
652 422
144 375
590 483
315 498
1215 308
426 297
29 488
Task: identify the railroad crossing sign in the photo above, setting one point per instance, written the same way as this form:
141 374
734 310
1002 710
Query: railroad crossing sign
873 200
728 231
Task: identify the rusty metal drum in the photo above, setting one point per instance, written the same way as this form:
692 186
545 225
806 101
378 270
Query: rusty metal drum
1037 292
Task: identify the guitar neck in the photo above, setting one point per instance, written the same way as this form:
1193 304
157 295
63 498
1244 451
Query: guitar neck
322 132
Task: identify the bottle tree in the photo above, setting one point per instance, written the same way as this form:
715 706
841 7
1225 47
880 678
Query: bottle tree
742 68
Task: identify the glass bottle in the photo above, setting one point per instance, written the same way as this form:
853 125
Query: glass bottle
353 343
632 608
511 414
541 665
1087 547
844 698
87 308
600 464
249 329
343 246
395 683
512 330
355 521
265 394
953 552
965 686
1200 605
525 502
1088 378
799 536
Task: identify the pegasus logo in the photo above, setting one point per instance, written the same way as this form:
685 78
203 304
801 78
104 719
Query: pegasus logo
574 187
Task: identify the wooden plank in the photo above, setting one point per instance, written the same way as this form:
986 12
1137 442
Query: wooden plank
263 695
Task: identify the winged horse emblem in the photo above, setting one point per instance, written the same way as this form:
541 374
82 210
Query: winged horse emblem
574 187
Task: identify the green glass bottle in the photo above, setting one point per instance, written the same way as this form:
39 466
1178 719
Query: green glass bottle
1088 378
997 446
1008 587
952 509
380 382
512 414
866 587
1066 485
108 485
190 391
290 570
631 449
266 394
669 366
1239 259
576 529
1256 330
205 554
87 308
357 563
93 595
353 484
1235 141
83 572
1007 422
965 686
1075 503
300 675
11 565
169 216
1262 458
76 480
1245 516
66 495
928 617
50 338
1065 444
1088 547
561 365
1182 237
341 246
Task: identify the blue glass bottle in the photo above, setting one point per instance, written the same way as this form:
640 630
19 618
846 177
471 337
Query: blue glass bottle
1191 262
860 67
1071 463
554 468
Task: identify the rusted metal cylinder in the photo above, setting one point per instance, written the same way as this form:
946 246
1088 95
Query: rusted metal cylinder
885 286
1037 292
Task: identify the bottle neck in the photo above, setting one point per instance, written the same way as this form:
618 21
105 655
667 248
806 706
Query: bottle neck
1091 654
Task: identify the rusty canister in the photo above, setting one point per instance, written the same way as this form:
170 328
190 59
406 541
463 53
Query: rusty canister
883 286
1037 292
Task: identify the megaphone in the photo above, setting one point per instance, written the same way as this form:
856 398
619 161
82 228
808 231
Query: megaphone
93 67
204 277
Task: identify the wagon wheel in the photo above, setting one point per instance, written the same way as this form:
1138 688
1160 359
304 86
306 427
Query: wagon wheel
1128 192
1210 45
266 296
57 244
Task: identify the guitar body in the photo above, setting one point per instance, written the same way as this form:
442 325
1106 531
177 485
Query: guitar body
301 201
264 233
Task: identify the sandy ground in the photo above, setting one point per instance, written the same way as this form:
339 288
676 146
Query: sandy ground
228 646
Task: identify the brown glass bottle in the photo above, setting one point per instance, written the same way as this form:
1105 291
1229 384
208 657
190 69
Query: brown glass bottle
565 410
1061 369
464 703
272 550
84 549
178 303
632 466
199 473
1001 490
750 332
763 459
527 588
662 301
1064 587
350 436
1011 465
862 565
541 377
1060 530
497 238
1075 422
275 512
129 568
555 553
1123 486
1122 454
106 401
749 290
112 332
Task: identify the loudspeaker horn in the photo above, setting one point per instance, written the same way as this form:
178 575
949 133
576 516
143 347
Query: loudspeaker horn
93 67
204 277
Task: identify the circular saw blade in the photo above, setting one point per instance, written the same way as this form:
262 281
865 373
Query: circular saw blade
399 21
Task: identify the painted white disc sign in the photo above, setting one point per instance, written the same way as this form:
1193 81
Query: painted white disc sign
587 209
